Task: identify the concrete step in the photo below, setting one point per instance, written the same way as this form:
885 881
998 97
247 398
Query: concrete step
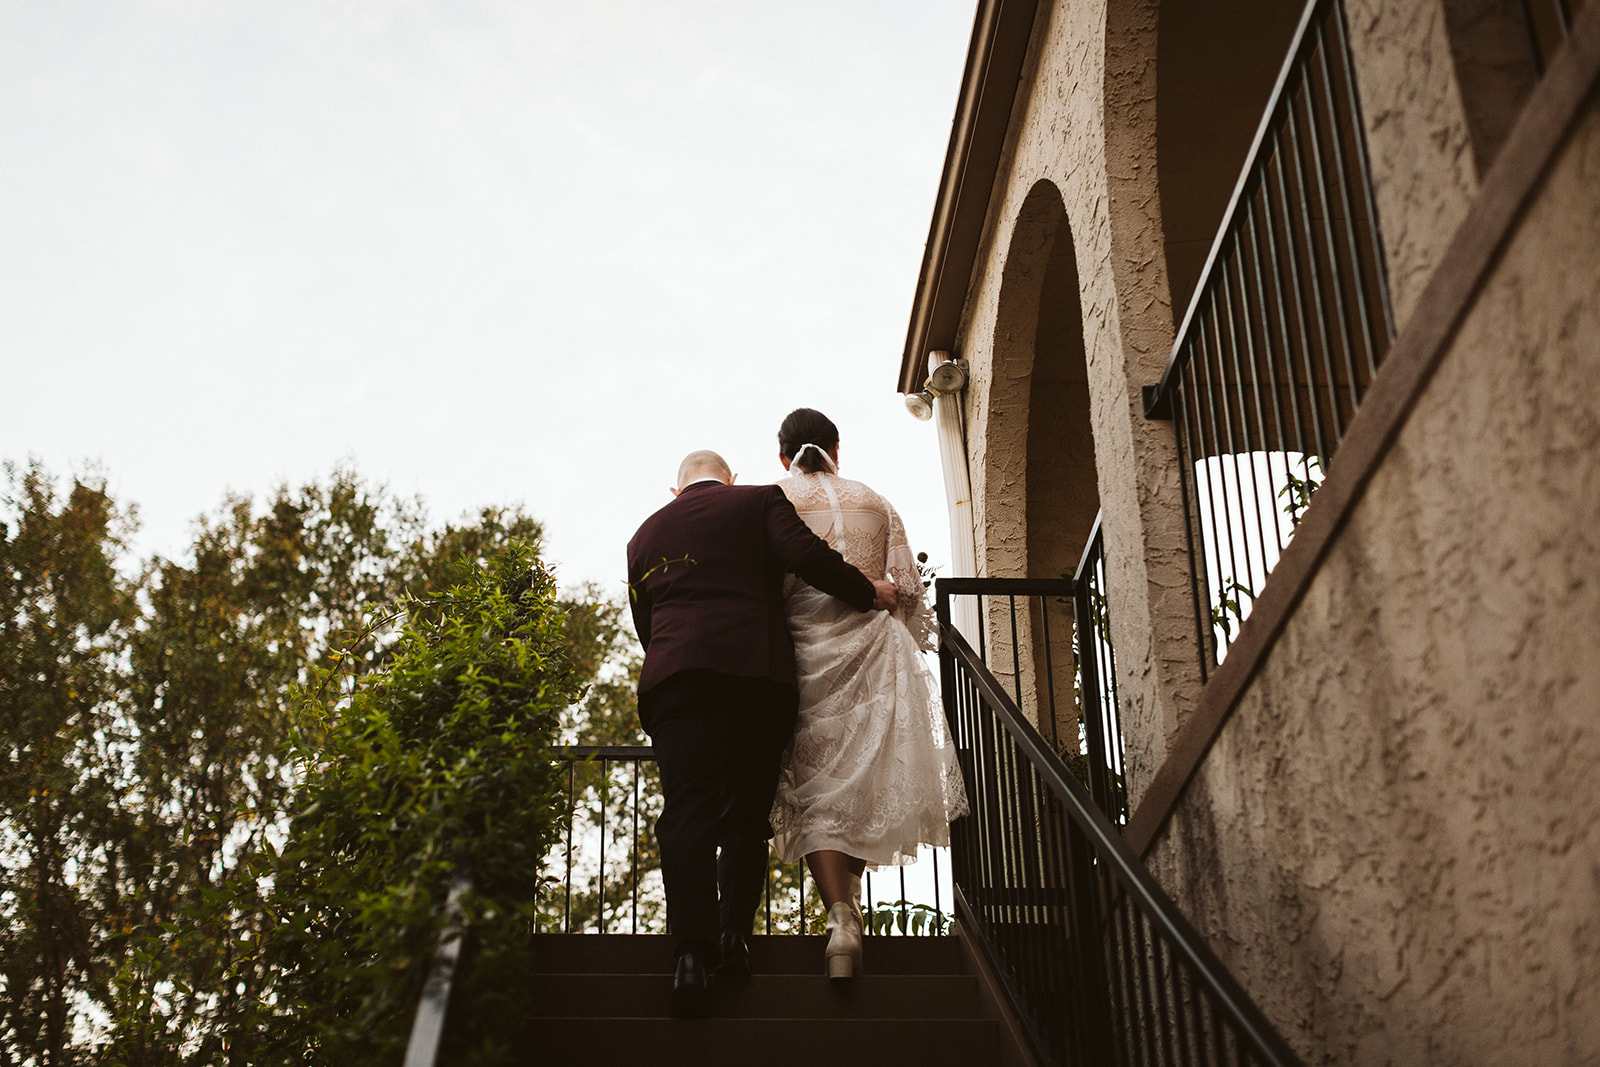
787 996
767 1042
769 954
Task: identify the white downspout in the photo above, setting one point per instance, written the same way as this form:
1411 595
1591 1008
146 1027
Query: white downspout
958 497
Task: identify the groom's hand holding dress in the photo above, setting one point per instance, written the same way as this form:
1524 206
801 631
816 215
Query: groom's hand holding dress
717 694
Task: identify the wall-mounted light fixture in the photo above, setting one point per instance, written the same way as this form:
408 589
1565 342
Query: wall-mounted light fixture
945 379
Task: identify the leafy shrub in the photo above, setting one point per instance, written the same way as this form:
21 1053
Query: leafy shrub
436 766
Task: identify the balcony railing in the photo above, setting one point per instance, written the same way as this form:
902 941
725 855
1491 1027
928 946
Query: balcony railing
1046 638
1097 961
1289 324
605 876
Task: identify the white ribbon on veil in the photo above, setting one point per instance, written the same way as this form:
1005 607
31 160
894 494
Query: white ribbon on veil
836 531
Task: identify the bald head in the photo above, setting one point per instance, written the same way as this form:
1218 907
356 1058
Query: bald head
703 464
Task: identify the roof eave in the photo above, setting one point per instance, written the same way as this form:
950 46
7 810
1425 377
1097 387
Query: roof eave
1000 33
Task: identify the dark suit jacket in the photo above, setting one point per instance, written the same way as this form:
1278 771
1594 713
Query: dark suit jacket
705 580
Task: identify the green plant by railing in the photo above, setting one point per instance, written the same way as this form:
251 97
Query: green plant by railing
440 764
905 917
1231 603
1297 493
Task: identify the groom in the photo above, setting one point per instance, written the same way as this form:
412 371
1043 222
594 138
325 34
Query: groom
717 695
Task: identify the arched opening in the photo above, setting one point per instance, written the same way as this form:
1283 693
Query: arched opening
1063 496
1042 492
1216 64
1040 443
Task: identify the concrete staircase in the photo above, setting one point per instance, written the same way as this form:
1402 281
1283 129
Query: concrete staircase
602 999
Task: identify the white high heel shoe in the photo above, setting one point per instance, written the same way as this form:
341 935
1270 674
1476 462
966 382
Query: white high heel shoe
844 942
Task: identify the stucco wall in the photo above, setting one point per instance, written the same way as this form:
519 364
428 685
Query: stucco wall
1105 180
1395 842
1420 151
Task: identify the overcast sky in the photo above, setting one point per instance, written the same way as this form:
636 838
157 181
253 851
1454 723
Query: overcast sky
488 252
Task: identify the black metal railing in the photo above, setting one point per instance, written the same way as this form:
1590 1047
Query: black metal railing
604 876
1045 638
1097 961
606 866
1547 23
1286 330
1097 681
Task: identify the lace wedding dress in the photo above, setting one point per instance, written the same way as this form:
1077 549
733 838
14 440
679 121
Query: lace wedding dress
872 771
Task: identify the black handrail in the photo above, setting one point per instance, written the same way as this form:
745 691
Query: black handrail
1284 333
1099 964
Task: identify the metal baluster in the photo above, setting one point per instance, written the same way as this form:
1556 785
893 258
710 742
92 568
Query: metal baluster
1313 259
1188 489
869 900
572 807
1071 927
1280 430
1016 653
1161 971
1305 315
983 631
1049 671
1339 304
600 890
1007 826
1262 441
1226 450
800 922
1246 449
1136 1039
1107 654
1361 297
1183 1033
1206 413
1364 170
1025 875
1089 683
1219 1033
638 766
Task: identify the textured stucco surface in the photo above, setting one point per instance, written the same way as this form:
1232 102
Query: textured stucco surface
1084 126
1423 171
1395 842
1489 45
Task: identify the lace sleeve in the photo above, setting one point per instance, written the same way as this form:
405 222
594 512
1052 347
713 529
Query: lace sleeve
901 567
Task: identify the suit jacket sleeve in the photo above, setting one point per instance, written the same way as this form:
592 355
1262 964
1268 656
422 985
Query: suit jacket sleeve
804 553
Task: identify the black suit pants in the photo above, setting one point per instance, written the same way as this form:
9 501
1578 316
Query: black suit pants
719 740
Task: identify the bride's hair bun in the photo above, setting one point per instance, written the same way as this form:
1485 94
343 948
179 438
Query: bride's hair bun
807 426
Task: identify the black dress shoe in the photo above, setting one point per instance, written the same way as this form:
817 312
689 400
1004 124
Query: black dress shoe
735 955
691 988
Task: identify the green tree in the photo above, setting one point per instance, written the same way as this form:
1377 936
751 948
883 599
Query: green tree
223 637
438 765
145 713
65 614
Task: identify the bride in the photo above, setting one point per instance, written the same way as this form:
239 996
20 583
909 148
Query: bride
871 775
